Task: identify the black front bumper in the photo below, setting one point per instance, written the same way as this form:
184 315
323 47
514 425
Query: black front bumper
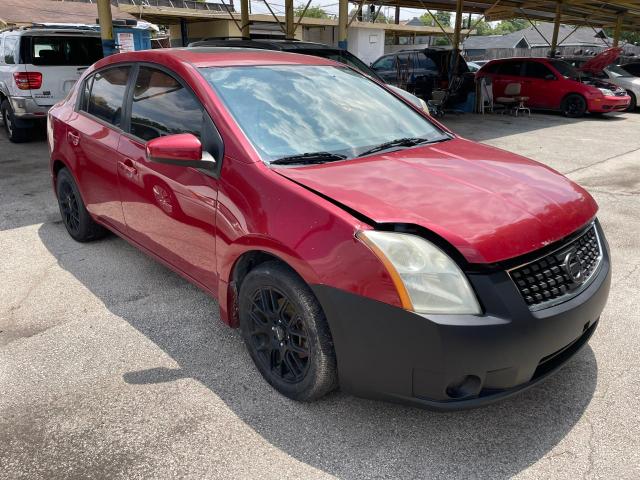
458 361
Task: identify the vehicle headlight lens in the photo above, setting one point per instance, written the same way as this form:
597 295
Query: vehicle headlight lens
606 91
427 279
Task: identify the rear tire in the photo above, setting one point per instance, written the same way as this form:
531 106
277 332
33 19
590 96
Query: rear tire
15 134
286 332
75 216
574 106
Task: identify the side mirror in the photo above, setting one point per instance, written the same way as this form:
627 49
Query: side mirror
550 76
183 149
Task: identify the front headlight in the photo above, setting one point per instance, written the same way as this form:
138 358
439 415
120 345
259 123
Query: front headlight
607 92
427 279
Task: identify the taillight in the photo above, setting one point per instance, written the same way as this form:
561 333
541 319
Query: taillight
28 80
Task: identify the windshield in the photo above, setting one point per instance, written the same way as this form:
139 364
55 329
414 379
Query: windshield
616 71
288 110
565 69
59 50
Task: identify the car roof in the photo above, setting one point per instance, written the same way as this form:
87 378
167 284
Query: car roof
52 32
216 57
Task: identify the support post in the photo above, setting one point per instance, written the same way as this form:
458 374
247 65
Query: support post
458 25
184 32
556 29
343 19
244 18
396 38
618 30
288 19
106 27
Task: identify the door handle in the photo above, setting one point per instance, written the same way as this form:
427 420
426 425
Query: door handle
127 167
73 138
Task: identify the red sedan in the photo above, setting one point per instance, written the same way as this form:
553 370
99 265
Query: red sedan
553 84
355 241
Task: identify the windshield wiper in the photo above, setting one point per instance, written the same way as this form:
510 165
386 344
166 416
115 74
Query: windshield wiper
402 142
309 158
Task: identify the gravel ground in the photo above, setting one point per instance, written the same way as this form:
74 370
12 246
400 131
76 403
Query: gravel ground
111 366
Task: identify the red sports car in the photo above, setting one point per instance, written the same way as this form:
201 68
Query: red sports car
553 84
355 241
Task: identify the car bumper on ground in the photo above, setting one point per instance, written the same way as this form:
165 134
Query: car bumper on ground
458 361
609 104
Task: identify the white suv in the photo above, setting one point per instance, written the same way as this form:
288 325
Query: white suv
38 67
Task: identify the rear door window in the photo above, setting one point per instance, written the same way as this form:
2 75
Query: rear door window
511 69
163 106
385 63
59 50
536 70
106 97
425 62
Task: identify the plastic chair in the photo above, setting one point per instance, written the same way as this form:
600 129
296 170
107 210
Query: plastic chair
512 100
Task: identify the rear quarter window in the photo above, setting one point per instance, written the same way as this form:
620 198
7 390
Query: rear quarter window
10 49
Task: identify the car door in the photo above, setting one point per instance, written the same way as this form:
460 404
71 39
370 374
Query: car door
425 75
537 83
93 135
509 71
169 209
386 68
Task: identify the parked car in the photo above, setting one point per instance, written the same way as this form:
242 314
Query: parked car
553 84
38 67
602 67
633 68
473 66
307 48
354 240
426 70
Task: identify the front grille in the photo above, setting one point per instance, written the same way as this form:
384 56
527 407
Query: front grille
560 275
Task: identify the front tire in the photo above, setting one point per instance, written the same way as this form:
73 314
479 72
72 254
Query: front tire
286 332
15 134
574 106
634 102
75 216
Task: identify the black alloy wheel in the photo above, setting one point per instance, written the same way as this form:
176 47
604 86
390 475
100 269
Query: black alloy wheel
574 106
286 332
69 208
75 216
278 335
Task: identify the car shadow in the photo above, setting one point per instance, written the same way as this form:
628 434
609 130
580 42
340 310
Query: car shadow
340 434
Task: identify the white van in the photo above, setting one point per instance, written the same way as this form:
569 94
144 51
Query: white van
38 67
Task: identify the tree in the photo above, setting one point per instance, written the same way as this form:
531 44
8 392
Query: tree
444 18
314 11
509 26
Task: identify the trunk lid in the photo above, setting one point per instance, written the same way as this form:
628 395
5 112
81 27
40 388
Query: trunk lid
490 204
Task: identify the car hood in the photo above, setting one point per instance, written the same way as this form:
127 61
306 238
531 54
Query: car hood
490 204
632 83
600 61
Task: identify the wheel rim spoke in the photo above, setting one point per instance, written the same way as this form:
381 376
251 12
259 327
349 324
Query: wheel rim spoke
278 335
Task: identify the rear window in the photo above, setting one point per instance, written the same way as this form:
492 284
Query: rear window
81 51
